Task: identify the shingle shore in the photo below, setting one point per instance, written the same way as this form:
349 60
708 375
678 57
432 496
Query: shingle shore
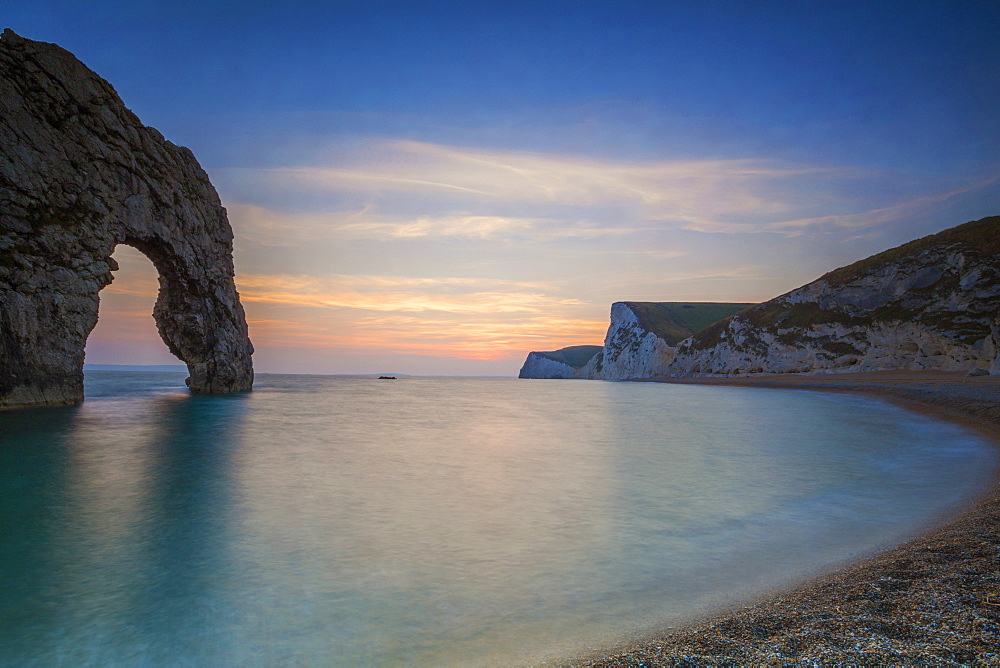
934 600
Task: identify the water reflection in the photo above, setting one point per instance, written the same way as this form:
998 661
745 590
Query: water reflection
407 525
134 529
187 524
32 483
434 521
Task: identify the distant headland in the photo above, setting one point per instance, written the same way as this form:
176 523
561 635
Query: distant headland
930 304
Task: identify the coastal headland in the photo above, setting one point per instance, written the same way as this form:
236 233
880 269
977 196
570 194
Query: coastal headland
933 600
931 303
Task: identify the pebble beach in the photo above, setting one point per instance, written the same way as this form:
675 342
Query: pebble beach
934 600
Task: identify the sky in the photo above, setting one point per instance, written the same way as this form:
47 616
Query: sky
441 187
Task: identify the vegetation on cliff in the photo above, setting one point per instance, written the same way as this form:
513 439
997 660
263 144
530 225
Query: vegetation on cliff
931 303
978 237
675 321
574 356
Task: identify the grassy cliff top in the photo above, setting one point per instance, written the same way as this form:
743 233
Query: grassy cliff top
981 236
978 237
574 356
675 321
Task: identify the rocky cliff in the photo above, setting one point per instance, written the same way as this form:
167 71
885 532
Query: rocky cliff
79 174
563 363
640 343
643 336
933 303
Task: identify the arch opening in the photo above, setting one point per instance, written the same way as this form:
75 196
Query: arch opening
126 333
112 181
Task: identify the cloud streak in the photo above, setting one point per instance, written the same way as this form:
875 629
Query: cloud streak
400 294
879 216
268 227
473 190
690 194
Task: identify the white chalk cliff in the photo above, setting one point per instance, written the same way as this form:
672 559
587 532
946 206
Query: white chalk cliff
933 303
631 349
641 341
564 363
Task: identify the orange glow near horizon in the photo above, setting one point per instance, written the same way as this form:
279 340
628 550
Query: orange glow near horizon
476 341
465 319
461 260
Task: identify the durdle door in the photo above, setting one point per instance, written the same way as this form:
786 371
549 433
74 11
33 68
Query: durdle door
80 174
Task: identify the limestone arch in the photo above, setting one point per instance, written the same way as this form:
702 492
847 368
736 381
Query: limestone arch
197 317
79 175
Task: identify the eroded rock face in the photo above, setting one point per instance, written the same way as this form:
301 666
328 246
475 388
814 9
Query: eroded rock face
931 304
631 349
80 174
538 365
571 362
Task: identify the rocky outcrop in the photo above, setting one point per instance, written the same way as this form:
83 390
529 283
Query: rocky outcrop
643 337
79 174
933 303
631 349
563 363
640 343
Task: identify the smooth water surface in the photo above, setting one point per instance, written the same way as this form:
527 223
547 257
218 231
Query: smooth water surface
325 520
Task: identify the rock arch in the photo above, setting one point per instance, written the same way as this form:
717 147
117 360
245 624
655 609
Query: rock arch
80 174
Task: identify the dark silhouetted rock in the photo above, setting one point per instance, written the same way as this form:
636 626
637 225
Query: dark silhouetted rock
79 174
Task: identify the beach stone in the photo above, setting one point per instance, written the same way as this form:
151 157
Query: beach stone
80 174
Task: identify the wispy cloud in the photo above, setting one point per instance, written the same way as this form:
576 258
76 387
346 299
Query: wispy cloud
686 192
267 227
400 294
877 216
458 317
470 318
596 197
141 281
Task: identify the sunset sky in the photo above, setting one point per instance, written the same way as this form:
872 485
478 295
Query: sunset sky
442 187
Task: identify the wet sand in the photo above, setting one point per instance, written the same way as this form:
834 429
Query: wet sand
934 600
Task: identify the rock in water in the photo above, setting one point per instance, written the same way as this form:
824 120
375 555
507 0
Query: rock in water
79 174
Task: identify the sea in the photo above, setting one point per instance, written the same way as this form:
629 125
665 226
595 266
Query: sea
352 521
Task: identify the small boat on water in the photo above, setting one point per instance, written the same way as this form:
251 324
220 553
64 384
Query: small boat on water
387 378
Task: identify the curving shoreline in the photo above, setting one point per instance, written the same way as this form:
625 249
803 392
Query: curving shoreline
934 599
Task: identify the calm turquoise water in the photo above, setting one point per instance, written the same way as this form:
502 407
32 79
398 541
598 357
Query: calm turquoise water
348 521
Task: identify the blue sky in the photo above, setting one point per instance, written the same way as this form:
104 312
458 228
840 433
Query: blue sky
440 187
